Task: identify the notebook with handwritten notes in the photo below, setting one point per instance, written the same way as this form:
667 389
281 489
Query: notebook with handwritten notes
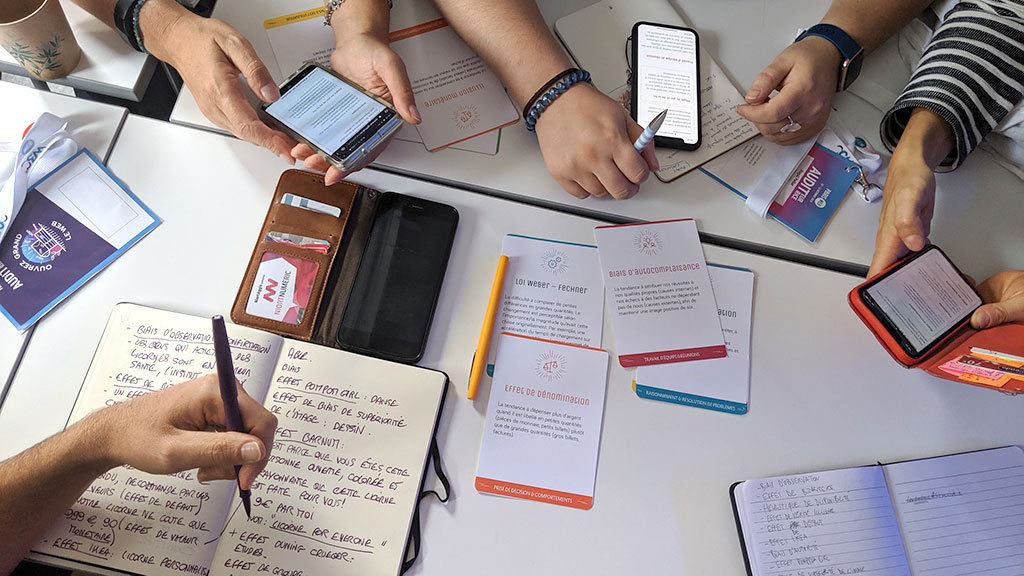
956 514
338 496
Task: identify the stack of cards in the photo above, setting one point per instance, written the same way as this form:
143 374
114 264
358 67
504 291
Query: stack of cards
284 282
683 325
986 367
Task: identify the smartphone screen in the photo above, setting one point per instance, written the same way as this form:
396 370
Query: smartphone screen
328 112
399 278
922 300
667 77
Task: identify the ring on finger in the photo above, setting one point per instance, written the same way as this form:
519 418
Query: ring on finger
793 126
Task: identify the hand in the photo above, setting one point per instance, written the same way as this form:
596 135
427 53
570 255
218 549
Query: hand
587 142
1003 295
908 203
210 55
175 429
805 75
370 62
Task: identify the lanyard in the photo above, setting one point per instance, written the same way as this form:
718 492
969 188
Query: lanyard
45 145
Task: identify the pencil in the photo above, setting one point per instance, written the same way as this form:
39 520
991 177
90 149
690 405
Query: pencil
228 392
483 345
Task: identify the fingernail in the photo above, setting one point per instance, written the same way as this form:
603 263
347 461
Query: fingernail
251 452
983 319
288 159
753 94
914 242
269 93
415 113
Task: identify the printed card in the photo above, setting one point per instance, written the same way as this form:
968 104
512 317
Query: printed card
543 426
722 384
659 293
281 288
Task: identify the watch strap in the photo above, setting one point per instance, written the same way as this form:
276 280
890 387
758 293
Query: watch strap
123 20
843 42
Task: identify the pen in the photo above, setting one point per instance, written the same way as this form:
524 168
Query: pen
997 354
483 345
228 392
650 131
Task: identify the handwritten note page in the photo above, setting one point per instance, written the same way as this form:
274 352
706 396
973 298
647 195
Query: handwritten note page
343 480
963 513
722 129
835 522
147 523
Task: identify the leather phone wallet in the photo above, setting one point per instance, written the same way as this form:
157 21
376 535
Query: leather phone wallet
302 268
991 358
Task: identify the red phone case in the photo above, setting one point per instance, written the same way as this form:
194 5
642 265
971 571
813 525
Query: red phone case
1006 338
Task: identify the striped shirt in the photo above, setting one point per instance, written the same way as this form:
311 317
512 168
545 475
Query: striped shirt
971 74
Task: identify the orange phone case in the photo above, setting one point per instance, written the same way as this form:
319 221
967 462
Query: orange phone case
1006 338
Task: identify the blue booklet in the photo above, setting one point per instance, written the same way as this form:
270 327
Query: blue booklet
75 221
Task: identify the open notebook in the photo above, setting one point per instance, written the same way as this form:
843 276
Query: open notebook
340 491
951 515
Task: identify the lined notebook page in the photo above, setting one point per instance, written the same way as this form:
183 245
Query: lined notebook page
343 480
835 522
962 514
147 523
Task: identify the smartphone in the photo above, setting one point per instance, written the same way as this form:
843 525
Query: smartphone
334 116
666 75
920 301
399 278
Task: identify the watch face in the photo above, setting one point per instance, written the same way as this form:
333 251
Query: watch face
851 70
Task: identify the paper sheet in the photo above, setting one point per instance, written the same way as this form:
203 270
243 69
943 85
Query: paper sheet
543 426
659 293
721 384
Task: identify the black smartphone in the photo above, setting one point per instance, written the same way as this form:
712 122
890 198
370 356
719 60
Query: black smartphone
334 116
666 76
399 278
921 301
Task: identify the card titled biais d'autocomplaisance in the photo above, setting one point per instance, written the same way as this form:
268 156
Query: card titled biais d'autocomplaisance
659 293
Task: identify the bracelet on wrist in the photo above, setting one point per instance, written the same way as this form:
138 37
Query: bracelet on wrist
550 92
136 30
333 5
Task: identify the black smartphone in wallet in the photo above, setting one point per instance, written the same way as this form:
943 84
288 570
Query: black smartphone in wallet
399 279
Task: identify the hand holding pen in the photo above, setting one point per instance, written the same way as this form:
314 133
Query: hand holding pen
650 131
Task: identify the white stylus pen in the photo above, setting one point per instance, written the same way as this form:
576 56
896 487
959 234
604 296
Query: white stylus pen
650 131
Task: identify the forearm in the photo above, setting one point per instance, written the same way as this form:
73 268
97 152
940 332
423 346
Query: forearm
38 485
928 137
494 28
872 22
361 17
156 20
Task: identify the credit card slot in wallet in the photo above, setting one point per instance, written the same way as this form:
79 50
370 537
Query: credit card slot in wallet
284 288
294 220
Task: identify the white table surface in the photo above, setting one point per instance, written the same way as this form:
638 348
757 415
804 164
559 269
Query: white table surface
824 394
93 125
108 66
979 198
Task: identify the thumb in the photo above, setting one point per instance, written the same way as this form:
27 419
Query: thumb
243 56
910 226
634 130
191 450
767 80
997 313
397 80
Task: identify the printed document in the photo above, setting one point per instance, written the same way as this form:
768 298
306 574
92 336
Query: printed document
543 426
659 293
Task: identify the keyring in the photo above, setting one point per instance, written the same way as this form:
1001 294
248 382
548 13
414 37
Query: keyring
791 127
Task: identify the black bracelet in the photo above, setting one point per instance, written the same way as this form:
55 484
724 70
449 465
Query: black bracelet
124 11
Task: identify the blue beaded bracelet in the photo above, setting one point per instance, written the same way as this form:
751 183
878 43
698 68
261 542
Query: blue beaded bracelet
556 89
135 26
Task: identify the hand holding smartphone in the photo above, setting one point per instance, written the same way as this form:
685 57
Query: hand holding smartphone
666 75
335 117
917 304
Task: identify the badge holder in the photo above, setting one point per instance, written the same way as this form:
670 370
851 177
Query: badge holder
299 290
945 361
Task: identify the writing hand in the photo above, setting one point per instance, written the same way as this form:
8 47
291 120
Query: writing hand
181 428
805 75
1003 295
587 142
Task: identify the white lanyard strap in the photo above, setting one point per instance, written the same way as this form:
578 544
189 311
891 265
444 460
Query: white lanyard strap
45 146
869 162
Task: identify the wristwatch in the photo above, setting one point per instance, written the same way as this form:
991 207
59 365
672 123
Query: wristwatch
123 22
849 49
